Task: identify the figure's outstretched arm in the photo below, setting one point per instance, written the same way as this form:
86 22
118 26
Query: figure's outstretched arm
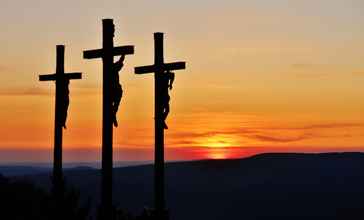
120 63
171 80
122 58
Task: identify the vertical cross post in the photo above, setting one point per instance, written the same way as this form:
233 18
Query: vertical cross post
107 127
60 107
158 69
58 131
107 54
159 130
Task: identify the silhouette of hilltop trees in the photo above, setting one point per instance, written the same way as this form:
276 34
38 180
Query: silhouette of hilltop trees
22 200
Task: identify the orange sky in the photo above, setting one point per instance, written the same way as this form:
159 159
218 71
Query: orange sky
261 77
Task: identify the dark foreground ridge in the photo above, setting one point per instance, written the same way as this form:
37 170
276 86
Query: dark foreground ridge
274 186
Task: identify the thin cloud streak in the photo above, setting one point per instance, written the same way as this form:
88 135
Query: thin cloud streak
264 134
281 139
25 92
361 73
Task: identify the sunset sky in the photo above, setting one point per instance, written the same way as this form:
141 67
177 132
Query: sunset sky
262 76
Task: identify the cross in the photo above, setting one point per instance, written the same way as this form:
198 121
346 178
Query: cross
107 54
158 69
62 80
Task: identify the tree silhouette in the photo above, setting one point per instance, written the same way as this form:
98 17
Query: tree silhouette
21 200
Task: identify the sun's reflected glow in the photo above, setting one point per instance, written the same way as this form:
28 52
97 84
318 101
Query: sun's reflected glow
217 155
223 153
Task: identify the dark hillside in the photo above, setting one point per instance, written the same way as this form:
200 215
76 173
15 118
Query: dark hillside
279 186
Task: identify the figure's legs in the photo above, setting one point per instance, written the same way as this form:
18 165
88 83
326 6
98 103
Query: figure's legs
117 99
64 112
165 112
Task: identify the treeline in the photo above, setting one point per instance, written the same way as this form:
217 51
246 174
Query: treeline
22 200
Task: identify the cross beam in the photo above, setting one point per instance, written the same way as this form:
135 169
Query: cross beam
53 77
99 53
165 67
158 69
60 77
107 54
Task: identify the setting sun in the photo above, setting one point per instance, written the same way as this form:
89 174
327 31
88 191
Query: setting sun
218 141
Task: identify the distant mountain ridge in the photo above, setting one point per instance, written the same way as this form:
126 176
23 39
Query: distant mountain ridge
21 169
275 186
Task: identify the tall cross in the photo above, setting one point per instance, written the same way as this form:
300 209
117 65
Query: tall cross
62 80
107 54
159 69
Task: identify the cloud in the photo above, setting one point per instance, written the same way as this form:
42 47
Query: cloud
306 132
316 126
281 139
310 70
25 92
214 133
271 134
303 65
183 142
35 91
333 125
360 73
316 75
3 68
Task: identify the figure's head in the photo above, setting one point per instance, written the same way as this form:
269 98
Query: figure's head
113 30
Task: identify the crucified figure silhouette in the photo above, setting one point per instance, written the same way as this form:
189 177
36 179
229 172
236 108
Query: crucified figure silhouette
166 84
66 101
117 90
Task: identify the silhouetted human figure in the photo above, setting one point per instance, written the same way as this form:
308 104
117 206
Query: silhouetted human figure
166 84
117 89
66 101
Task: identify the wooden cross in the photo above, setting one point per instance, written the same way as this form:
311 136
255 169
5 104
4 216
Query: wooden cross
158 69
62 80
107 54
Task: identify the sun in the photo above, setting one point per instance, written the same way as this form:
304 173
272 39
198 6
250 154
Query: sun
218 141
219 146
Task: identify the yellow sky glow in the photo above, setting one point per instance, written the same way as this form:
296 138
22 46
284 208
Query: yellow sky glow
280 75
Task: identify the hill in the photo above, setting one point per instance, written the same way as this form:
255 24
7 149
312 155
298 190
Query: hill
275 186
20 170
